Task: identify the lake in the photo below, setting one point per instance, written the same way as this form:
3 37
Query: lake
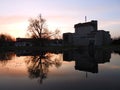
68 70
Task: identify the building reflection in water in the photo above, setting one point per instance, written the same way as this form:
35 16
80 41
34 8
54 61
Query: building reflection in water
87 60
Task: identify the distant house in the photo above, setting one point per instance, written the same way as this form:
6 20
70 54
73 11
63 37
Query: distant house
87 34
21 42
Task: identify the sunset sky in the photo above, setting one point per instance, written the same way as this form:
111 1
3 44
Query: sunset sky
60 14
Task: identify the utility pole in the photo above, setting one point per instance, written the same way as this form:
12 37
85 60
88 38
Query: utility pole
85 18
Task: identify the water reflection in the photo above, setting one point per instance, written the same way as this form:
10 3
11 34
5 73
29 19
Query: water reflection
38 65
39 62
5 56
87 60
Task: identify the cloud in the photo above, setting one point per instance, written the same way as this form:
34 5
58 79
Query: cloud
12 19
109 23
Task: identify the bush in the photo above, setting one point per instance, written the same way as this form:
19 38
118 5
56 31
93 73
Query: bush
116 41
6 40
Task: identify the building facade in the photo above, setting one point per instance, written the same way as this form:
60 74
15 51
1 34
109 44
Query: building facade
87 34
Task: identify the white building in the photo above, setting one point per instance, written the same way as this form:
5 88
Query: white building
87 34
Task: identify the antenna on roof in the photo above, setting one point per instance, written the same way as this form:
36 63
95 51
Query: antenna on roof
85 18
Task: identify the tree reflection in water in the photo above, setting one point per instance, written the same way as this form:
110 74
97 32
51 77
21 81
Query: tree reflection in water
5 56
38 65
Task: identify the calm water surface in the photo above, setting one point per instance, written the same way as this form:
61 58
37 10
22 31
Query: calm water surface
70 70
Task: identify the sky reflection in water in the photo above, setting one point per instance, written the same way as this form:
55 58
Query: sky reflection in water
71 70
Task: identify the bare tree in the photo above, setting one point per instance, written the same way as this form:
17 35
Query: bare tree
38 29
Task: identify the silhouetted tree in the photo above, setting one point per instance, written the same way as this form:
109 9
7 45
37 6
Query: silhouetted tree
6 40
38 29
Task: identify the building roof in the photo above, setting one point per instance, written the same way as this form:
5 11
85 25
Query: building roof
92 23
